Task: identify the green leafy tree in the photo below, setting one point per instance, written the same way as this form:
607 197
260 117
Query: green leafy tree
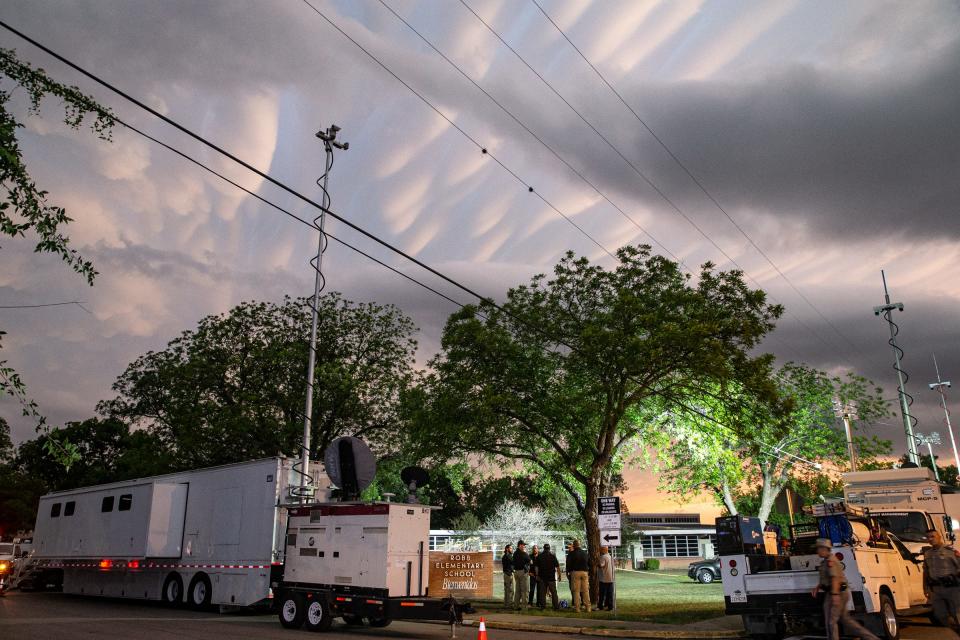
25 207
233 388
809 434
556 378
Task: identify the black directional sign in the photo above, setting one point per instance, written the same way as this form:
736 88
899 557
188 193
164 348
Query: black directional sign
608 505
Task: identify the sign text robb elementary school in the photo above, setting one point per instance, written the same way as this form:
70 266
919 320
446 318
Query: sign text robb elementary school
462 573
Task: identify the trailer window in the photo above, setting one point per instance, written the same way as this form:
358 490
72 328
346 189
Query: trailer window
55 510
69 508
909 526
126 501
106 506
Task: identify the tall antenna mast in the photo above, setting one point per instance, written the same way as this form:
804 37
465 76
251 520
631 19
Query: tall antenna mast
905 399
939 387
330 142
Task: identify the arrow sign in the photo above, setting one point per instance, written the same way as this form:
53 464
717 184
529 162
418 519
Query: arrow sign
611 538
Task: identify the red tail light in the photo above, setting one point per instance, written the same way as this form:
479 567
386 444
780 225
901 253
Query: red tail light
133 564
733 563
839 555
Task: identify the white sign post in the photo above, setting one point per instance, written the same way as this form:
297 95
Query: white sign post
608 515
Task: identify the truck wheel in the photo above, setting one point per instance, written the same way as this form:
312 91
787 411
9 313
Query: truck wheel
885 622
293 610
200 593
705 576
380 622
318 616
173 590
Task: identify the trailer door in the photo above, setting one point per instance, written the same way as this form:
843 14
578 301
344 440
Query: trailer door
168 511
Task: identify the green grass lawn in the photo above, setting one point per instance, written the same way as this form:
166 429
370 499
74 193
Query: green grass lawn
668 598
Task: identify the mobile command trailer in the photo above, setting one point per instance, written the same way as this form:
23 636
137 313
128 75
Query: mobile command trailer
359 561
209 536
910 501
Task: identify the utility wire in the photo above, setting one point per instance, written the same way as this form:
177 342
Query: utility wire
483 149
691 175
666 198
536 137
79 303
332 214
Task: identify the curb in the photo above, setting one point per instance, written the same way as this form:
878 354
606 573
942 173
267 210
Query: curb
650 634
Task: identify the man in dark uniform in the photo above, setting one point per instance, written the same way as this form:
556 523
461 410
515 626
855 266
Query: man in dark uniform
941 580
833 585
507 561
548 570
521 583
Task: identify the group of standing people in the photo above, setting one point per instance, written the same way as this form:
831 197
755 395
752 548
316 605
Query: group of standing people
531 576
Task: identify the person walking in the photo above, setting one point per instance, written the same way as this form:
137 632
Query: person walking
578 565
548 571
941 580
521 568
833 585
506 560
605 576
534 578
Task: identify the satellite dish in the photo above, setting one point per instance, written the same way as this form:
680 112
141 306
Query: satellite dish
350 465
414 477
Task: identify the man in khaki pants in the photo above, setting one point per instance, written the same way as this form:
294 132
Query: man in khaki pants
579 569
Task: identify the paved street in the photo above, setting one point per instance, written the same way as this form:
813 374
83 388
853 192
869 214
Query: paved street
44 616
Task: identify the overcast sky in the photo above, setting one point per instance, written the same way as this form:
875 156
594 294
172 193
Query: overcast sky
828 131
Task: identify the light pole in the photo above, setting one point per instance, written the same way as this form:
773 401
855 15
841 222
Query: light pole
930 439
885 310
330 142
939 387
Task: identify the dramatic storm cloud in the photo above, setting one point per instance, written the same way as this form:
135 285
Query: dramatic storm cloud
827 131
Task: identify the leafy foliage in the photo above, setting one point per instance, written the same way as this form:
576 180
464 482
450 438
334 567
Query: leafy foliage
25 206
571 374
780 444
232 389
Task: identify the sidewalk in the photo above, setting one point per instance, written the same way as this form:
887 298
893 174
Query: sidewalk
725 627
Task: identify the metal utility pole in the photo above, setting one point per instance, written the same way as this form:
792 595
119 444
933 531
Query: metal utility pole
886 309
939 387
931 439
330 142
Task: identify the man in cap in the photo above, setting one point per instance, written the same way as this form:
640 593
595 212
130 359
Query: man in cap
833 585
941 580
521 583
548 570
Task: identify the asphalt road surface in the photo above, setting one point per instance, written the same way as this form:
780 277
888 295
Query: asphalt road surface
50 616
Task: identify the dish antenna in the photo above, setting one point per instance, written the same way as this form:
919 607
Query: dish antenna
350 466
414 477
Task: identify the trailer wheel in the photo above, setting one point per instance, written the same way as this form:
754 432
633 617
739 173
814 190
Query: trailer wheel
380 622
885 622
318 616
200 593
173 590
293 610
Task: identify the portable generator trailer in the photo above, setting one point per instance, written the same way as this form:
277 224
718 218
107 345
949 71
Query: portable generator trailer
210 536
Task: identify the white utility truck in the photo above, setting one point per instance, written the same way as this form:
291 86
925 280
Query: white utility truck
878 536
206 537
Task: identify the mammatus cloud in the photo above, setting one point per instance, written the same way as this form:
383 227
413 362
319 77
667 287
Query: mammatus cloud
826 132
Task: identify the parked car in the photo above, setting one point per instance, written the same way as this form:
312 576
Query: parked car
705 571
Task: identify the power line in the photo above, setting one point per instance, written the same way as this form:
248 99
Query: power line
691 175
79 303
483 149
529 131
290 190
666 198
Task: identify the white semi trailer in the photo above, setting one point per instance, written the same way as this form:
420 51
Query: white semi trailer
206 537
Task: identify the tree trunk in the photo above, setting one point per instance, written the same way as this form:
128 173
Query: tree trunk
728 501
592 525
